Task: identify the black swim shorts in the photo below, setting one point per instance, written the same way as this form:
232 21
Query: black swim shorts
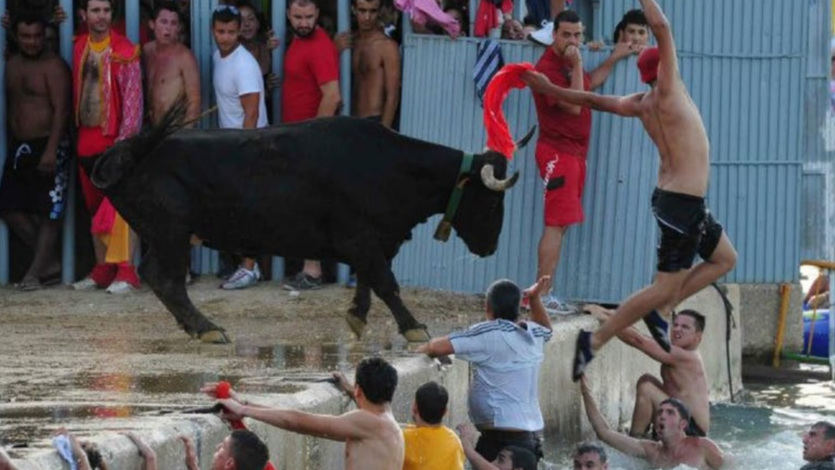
687 228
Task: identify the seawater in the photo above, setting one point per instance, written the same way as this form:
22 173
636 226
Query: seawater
762 432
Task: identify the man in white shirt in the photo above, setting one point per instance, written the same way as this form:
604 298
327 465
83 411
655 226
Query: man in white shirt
507 352
239 91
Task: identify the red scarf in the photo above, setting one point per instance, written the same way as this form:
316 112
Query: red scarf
498 134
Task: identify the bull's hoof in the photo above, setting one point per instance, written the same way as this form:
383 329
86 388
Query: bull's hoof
417 335
214 337
356 324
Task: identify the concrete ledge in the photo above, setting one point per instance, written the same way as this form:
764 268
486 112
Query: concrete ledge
759 316
613 375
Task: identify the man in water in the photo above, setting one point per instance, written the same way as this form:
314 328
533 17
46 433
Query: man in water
673 447
590 456
819 447
682 372
673 123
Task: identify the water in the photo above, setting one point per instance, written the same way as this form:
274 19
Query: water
764 431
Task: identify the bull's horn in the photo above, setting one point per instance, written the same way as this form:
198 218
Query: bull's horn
524 140
489 179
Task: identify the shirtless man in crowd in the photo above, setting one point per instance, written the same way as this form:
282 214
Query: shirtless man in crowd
375 64
35 176
170 67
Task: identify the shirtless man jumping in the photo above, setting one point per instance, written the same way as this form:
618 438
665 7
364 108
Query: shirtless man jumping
375 64
373 440
35 176
170 67
673 122
682 372
673 447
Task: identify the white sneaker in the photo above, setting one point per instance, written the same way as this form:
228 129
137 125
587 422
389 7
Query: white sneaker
555 306
85 284
242 278
120 287
544 36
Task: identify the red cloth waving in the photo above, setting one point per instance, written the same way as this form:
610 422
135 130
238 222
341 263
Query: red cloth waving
498 134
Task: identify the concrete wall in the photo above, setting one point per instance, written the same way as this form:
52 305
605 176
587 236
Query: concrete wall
612 374
760 312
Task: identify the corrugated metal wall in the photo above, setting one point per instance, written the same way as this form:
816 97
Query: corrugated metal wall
746 65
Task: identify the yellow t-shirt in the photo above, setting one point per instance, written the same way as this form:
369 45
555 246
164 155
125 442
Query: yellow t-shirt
432 448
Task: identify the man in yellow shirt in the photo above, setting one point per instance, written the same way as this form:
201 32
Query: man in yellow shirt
429 444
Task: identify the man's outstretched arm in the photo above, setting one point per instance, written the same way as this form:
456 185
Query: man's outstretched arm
668 61
627 445
633 337
336 428
627 106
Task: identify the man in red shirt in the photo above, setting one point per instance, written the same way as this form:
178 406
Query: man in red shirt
310 90
563 142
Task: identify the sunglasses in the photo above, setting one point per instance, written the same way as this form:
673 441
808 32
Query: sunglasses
231 8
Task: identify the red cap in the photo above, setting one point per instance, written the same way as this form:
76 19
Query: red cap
648 64
222 389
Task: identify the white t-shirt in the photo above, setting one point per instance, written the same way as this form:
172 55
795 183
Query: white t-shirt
235 75
506 358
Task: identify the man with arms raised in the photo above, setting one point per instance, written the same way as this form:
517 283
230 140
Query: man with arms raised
682 372
372 437
375 63
673 447
170 67
673 122
35 176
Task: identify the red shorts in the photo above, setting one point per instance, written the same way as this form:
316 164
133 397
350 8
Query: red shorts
564 177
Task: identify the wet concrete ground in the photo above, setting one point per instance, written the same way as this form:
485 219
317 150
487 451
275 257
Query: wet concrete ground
88 360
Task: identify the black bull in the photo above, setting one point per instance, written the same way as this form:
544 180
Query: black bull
337 188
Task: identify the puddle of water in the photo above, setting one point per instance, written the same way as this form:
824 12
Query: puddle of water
22 425
316 357
165 383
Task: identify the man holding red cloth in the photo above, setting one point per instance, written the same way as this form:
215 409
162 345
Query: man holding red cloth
107 98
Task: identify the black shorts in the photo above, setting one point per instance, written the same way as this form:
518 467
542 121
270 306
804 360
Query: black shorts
26 189
491 442
687 228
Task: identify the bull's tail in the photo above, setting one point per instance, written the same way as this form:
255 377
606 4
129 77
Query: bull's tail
172 121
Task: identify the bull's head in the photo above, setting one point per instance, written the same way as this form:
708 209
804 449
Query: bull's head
114 164
479 218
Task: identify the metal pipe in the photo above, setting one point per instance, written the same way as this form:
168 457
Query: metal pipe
343 23
131 20
278 15
785 294
65 33
5 249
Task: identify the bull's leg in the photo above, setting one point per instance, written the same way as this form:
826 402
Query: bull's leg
358 313
377 272
163 271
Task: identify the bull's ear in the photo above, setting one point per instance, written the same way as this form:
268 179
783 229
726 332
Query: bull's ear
110 169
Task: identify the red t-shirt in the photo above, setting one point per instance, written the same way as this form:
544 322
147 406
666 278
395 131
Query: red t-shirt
309 63
565 132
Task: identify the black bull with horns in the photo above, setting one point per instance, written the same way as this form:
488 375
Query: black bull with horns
335 188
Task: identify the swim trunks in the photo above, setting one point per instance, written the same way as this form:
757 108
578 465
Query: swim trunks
564 177
24 188
687 228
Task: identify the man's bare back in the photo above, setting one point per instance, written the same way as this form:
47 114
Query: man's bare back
170 70
374 55
384 449
28 89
